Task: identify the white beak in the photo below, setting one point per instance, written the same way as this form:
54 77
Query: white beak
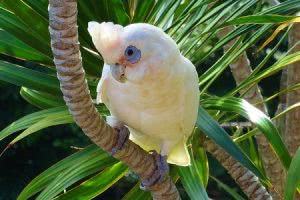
118 72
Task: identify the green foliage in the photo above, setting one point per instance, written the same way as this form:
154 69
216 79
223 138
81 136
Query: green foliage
192 177
194 25
67 171
97 184
263 123
293 178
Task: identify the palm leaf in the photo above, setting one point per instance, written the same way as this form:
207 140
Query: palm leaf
96 185
93 158
212 129
263 123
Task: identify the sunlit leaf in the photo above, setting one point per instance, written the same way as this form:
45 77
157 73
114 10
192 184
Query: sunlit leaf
257 117
41 99
29 78
31 119
75 173
96 185
191 181
260 19
137 194
10 45
213 130
48 121
75 160
279 65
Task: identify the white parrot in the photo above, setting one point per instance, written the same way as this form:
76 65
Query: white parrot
148 86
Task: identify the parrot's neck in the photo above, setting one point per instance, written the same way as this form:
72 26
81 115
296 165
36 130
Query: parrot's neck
160 90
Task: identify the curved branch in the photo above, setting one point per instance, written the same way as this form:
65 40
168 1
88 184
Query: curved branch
67 58
247 181
241 70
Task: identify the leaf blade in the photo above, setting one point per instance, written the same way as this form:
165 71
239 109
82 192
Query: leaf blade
212 129
293 177
97 184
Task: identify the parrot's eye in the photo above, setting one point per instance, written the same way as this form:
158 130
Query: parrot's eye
132 54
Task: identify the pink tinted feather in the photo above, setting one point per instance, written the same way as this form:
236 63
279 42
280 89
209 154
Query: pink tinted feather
107 38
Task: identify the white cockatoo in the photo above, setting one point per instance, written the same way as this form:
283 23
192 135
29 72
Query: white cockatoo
148 86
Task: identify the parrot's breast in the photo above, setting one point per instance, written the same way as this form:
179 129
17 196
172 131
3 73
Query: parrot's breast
164 109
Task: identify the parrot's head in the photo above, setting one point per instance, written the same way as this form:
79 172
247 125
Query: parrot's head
135 52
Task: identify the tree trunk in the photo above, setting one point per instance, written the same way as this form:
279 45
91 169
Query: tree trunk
292 133
67 58
241 70
247 181
292 123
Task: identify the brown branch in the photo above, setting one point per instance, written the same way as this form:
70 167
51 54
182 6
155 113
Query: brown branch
292 119
247 181
282 105
67 58
241 70
292 133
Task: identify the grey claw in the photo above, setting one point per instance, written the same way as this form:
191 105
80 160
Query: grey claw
123 136
161 171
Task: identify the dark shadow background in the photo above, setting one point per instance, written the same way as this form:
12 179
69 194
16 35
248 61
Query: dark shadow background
34 154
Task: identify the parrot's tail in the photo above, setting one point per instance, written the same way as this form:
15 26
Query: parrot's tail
179 155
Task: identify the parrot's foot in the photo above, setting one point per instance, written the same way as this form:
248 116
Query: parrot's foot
161 171
123 136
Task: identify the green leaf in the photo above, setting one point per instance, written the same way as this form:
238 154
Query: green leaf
213 130
104 10
229 190
285 7
137 194
293 178
154 13
255 130
10 45
249 146
29 78
166 13
75 160
116 8
231 55
260 19
75 173
279 65
199 158
257 117
40 7
31 27
34 21
41 99
142 10
31 119
13 25
48 121
191 180
97 184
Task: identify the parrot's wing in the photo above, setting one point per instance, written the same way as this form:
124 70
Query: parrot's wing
179 154
102 85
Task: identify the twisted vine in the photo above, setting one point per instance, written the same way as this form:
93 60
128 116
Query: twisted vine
248 182
67 58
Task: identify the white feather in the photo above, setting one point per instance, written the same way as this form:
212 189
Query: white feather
156 112
159 109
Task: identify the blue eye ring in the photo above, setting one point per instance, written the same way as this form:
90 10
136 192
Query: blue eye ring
132 54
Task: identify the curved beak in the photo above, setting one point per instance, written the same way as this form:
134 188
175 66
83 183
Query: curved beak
118 72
